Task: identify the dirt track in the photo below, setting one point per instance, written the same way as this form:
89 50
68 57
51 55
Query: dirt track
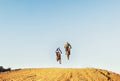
59 74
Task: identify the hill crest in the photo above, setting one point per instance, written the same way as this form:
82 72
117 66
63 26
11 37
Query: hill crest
59 74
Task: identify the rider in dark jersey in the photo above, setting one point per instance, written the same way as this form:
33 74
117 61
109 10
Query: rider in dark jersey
58 54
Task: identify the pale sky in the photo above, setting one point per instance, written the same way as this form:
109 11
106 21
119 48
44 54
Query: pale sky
31 30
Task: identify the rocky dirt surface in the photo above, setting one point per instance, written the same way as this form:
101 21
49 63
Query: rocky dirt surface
59 74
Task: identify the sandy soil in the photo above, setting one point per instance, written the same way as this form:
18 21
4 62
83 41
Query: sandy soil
59 74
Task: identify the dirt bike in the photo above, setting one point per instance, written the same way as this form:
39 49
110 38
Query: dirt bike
58 57
67 50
